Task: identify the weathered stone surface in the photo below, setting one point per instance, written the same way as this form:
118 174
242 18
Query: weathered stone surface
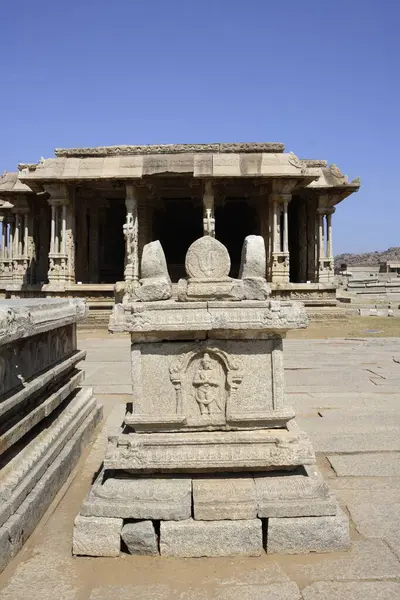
140 538
151 290
300 493
170 381
308 534
253 260
273 591
202 451
153 262
179 320
353 590
226 497
20 319
159 498
155 282
132 592
367 560
274 147
255 288
376 520
97 536
207 258
367 465
211 538
25 511
195 290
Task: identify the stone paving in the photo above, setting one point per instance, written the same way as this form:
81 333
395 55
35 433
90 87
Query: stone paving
347 397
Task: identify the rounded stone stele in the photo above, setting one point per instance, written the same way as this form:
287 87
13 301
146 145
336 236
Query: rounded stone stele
207 258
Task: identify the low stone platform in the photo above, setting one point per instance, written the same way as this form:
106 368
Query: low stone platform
46 419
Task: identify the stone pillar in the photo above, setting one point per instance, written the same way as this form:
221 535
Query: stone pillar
62 237
324 249
208 210
6 250
20 248
94 244
280 239
131 234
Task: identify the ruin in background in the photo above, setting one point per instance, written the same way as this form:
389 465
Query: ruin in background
75 225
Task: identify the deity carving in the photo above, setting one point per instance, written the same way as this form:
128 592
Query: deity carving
207 386
205 381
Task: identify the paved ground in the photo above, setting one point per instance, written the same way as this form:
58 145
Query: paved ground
347 396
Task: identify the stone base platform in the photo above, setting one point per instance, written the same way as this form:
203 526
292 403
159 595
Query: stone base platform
193 515
189 538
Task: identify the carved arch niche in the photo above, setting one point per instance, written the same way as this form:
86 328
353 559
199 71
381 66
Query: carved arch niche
206 381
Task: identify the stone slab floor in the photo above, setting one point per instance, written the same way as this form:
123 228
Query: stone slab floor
347 396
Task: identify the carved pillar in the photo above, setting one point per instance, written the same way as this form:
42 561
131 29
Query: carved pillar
131 231
62 236
208 210
20 245
280 198
325 250
265 227
6 249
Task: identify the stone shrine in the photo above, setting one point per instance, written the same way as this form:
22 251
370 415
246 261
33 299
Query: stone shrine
209 460
75 225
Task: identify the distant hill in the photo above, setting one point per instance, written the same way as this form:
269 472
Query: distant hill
368 258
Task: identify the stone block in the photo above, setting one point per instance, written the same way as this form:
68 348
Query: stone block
226 497
273 591
157 498
367 560
97 536
140 538
300 535
386 464
253 260
298 493
211 538
132 592
151 290
352 590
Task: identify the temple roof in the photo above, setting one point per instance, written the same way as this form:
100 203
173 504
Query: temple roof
10 182
223 147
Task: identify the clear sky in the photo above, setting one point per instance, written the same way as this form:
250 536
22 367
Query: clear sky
322 77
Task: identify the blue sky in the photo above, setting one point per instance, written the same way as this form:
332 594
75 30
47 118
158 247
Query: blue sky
322 77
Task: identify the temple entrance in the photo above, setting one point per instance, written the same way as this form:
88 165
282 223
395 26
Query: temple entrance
234 220
112 242
177 223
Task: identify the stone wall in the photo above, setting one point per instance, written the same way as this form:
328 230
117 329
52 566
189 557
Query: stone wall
45 418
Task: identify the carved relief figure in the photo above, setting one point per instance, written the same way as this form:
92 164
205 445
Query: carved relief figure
207 386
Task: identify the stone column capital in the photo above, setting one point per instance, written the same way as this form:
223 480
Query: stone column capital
58 193
281 198
326 210
283 186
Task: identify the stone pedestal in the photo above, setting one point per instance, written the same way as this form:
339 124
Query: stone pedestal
208 446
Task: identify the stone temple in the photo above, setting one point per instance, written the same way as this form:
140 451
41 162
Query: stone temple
75 225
